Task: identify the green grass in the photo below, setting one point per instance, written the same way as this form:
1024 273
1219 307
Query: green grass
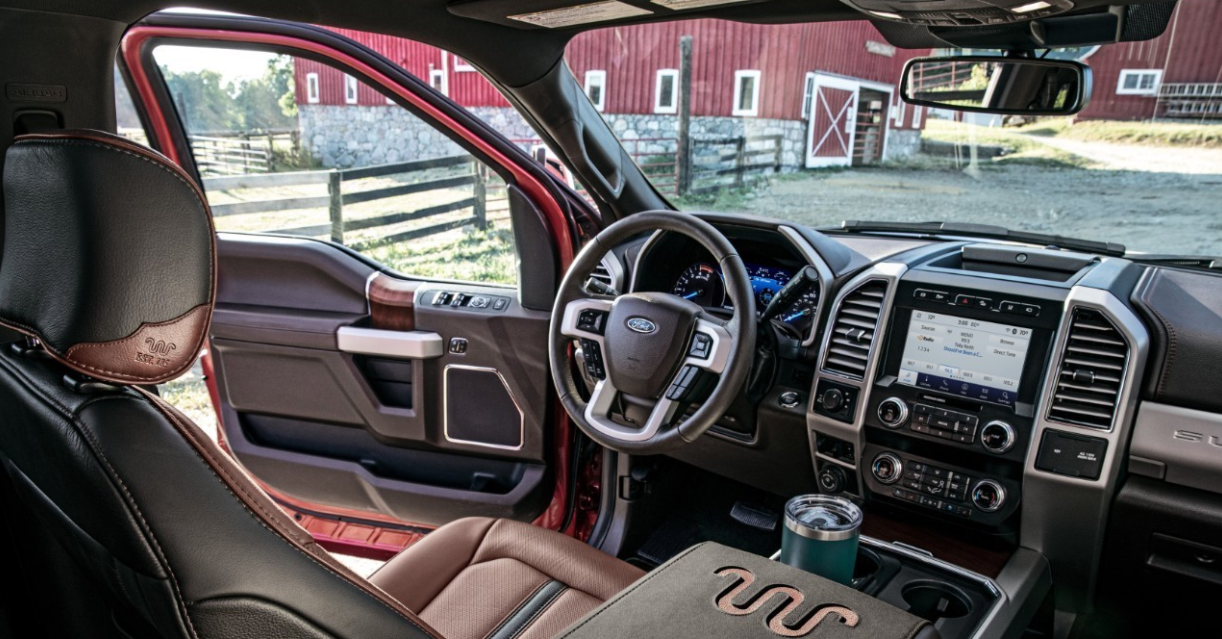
722 199
475 255
1140 133
1020 149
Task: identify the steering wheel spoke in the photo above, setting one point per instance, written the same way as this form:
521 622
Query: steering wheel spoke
603 401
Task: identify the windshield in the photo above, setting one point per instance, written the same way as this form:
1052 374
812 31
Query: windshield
804 123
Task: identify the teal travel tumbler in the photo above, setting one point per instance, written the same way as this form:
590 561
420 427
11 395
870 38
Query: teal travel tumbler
820 536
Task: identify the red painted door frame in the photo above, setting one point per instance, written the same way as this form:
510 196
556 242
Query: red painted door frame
335 530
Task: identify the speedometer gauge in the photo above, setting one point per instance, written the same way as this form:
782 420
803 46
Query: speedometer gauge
701 283
801 314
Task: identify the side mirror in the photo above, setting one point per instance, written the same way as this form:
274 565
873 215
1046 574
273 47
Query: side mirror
1008 86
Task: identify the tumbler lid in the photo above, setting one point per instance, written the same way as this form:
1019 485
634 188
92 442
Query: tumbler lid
823 517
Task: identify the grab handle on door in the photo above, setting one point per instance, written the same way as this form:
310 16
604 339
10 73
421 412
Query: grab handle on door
398 344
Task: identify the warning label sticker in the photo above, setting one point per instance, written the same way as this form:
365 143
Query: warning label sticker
581 14
681 5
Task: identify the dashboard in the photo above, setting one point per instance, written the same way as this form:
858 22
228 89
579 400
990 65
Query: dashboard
990 390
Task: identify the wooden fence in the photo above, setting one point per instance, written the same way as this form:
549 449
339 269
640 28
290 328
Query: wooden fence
335 200
225 153
732 162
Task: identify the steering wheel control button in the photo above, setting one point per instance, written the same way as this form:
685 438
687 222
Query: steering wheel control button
684 381
892 412
997 437
591 321
887 468
988 495
702 345
789 399
593 353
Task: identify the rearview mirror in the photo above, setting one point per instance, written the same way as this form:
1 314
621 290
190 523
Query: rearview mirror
1006 86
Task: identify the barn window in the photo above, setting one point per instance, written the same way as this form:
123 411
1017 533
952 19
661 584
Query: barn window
461 64
1139 82
917 113
596 88
437 80
808 95
350 93
898 110
746 93
312 88
666 92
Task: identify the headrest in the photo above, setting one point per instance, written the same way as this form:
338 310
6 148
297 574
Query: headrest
109 256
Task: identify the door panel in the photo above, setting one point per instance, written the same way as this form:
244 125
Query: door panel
417 440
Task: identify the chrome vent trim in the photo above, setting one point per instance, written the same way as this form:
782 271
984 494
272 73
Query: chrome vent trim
854 330
1090 376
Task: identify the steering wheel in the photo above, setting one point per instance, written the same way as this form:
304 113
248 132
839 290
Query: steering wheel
647 348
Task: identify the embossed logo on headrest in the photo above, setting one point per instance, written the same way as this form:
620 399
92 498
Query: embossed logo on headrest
156 352
792 599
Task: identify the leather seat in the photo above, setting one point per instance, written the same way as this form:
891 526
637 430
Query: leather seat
128 522
501 579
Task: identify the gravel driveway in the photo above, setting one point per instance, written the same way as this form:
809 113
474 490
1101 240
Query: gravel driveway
1151 200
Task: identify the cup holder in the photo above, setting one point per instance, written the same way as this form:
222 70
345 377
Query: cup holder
868 565
932 600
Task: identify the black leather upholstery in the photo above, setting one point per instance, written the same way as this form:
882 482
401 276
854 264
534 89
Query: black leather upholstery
107 246
123 514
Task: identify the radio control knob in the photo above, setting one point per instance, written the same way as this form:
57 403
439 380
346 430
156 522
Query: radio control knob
988 495
997 437
892 412
887 468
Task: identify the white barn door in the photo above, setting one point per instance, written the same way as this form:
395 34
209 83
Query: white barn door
833 122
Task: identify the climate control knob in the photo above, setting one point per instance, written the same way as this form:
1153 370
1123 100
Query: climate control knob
892 412
887 468
988 495
997 437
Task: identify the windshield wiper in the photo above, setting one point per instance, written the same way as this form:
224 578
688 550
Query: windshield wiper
984 230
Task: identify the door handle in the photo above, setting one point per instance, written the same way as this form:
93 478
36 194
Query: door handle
399 344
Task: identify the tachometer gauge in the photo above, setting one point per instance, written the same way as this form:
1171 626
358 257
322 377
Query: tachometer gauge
801 314
701 283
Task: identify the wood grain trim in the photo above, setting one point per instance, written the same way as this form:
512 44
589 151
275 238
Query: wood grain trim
392 303
977 556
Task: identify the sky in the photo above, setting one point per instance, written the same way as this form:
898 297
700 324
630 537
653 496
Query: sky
232 64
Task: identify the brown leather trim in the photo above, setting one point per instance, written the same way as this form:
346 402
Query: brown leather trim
119 360
260 506
153 353
392 303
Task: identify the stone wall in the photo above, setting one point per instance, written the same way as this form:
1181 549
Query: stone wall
347 136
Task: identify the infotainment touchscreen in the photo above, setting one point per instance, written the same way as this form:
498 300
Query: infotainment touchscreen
967 357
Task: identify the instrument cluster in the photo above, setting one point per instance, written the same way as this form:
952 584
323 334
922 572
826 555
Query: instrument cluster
704 284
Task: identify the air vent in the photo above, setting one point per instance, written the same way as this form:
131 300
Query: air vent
853 330
1092 370
603 274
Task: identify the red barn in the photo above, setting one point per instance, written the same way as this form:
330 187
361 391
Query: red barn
827 91
1176 75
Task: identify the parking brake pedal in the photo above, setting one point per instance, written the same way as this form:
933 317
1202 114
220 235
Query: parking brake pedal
755 516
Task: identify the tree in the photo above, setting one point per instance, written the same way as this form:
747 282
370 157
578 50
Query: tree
203 103
268 102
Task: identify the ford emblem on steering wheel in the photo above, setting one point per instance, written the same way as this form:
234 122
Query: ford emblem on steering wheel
641 325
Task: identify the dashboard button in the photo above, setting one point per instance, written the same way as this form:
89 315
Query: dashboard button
923 294
941 296
965 300
997 437
982 302
1011 308
832 400
988 496
1030 310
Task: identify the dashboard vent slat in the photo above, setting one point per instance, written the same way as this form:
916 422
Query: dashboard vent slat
854 328
1093 364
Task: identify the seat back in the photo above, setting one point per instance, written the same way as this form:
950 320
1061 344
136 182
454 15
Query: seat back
125 520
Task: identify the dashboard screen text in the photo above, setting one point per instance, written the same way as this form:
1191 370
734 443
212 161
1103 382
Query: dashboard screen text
971 358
